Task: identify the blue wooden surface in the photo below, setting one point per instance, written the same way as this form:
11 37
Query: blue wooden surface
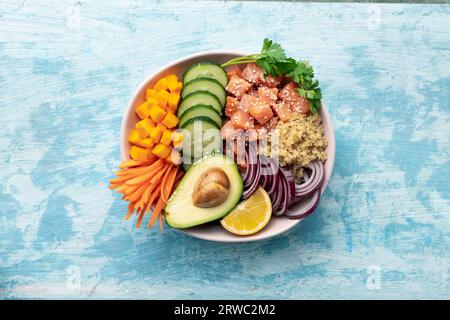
67 70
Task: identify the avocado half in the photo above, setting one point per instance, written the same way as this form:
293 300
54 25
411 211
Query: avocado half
180 211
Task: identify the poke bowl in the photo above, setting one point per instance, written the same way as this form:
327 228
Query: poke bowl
211 229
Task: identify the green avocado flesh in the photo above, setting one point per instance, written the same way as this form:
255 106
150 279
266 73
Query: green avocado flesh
180 212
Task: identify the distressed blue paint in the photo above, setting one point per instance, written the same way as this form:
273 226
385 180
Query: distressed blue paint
67 71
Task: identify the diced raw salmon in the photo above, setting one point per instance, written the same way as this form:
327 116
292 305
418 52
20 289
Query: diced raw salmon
260 110
283 111
231 106
238 86
272 82
290 96
269 94
234 71
242 120
228 131
252 73
246 101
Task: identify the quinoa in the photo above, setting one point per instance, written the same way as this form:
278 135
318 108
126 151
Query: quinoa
300 141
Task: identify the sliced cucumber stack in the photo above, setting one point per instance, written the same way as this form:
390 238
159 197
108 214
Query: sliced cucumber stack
202 137
206 69
205 84
199 97
199 111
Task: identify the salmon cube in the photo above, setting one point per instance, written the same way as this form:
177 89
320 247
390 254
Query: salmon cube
268 94
234 71
228 131
231 106
238 86
290 96
283 111
272 82
252 73
261 111
242 120
246 101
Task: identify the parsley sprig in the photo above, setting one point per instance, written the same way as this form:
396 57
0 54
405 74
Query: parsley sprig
273 61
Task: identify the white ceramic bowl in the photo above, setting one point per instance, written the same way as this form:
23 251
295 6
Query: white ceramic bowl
213 231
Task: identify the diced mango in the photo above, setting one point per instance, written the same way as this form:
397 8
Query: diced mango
162 97
174 86
173 100
174 157
143 110
145 143
161 85
134 136
170 120
161 126
144 126
166 137
151 101
150 93
156 133
157 113
138 153
161 150
171 77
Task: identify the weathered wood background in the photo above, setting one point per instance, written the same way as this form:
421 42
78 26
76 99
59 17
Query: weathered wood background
67 70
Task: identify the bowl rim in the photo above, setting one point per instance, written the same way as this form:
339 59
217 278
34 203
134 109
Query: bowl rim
142 85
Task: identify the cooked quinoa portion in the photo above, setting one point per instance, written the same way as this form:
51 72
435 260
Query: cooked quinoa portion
300 141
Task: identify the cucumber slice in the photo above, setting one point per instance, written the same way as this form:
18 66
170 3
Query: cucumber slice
201 137
200 110
206 69
205 84
199 97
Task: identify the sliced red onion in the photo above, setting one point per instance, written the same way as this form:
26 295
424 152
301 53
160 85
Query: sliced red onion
314 181
250 189
307 206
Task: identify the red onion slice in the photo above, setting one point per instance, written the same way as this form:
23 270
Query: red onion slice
307 206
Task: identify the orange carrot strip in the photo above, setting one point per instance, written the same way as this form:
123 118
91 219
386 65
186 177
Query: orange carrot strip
120 179
138 193
130 211
159 174
171 182
135 171
141 215
164 183
159 205
133 163
153 197
114 185
142 178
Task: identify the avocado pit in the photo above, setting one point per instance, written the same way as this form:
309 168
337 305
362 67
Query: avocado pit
212 188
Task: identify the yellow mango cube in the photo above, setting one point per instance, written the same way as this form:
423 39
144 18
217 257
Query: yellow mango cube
166 137
146 143
161 84
139 154
162 97
161 150
143 110
174 99
144 126
134 136
170 120
156 113
150 93
171 77
155 134
174 85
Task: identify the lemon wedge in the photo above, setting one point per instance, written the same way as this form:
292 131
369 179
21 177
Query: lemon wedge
250 216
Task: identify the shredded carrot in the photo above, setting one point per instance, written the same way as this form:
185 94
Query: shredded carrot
147 185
